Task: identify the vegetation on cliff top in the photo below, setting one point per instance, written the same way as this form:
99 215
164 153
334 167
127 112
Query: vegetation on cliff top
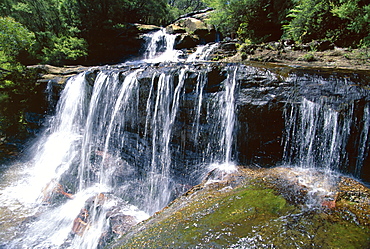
73 31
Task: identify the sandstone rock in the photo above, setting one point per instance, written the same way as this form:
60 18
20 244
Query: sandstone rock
146 28
249 209
57 75
193 25
196 29
175 29
187 41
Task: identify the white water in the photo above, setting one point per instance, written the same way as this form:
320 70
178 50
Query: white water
96 126
315 144
317 136
78 158
160 47
202 52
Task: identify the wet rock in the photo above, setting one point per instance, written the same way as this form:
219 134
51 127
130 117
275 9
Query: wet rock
80 223
250 208
120 223
229 46
187 41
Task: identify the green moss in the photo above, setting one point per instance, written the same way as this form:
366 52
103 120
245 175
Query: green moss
343 235
250 215
217 219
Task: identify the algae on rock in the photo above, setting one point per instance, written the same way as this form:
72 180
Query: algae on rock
249 209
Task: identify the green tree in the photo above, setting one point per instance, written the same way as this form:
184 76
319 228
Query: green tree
181 7
103 22
52 28
67 30
15 40
345 22
15 86
356 13
253 20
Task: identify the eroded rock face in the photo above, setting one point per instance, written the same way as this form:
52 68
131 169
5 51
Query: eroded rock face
256 208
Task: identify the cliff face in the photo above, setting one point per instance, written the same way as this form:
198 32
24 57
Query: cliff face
270 111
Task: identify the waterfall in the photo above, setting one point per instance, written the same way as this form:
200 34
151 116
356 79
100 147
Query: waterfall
110 149
202 52
126 140
160 47
317 136
161 116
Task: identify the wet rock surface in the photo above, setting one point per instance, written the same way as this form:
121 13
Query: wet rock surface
257 208
264 97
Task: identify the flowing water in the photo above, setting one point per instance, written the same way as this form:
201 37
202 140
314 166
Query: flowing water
127 140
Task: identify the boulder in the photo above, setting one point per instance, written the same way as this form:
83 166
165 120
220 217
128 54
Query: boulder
186 41
195 30
146 28
120 223
175 29
58 75
193 25
261 208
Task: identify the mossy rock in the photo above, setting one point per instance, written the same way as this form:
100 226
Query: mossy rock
249 209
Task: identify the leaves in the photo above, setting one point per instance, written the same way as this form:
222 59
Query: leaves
254 20
14 38
344 22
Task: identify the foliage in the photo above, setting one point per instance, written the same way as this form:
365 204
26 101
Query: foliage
255 20
358 16
65 48
342 21
16 83
18 95
181 7
57 32
15 40
67 30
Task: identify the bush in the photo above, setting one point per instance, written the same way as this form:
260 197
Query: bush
254 20
64 49
344 22
14 40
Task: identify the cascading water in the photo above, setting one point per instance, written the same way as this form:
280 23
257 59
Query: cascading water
202 52
317 135
125 141
85 174
160 47
318 127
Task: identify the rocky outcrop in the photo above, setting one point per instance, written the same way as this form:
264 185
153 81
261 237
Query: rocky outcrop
193 30
257 208
57 75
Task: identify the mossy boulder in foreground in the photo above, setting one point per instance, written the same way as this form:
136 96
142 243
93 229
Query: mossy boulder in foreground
261 208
